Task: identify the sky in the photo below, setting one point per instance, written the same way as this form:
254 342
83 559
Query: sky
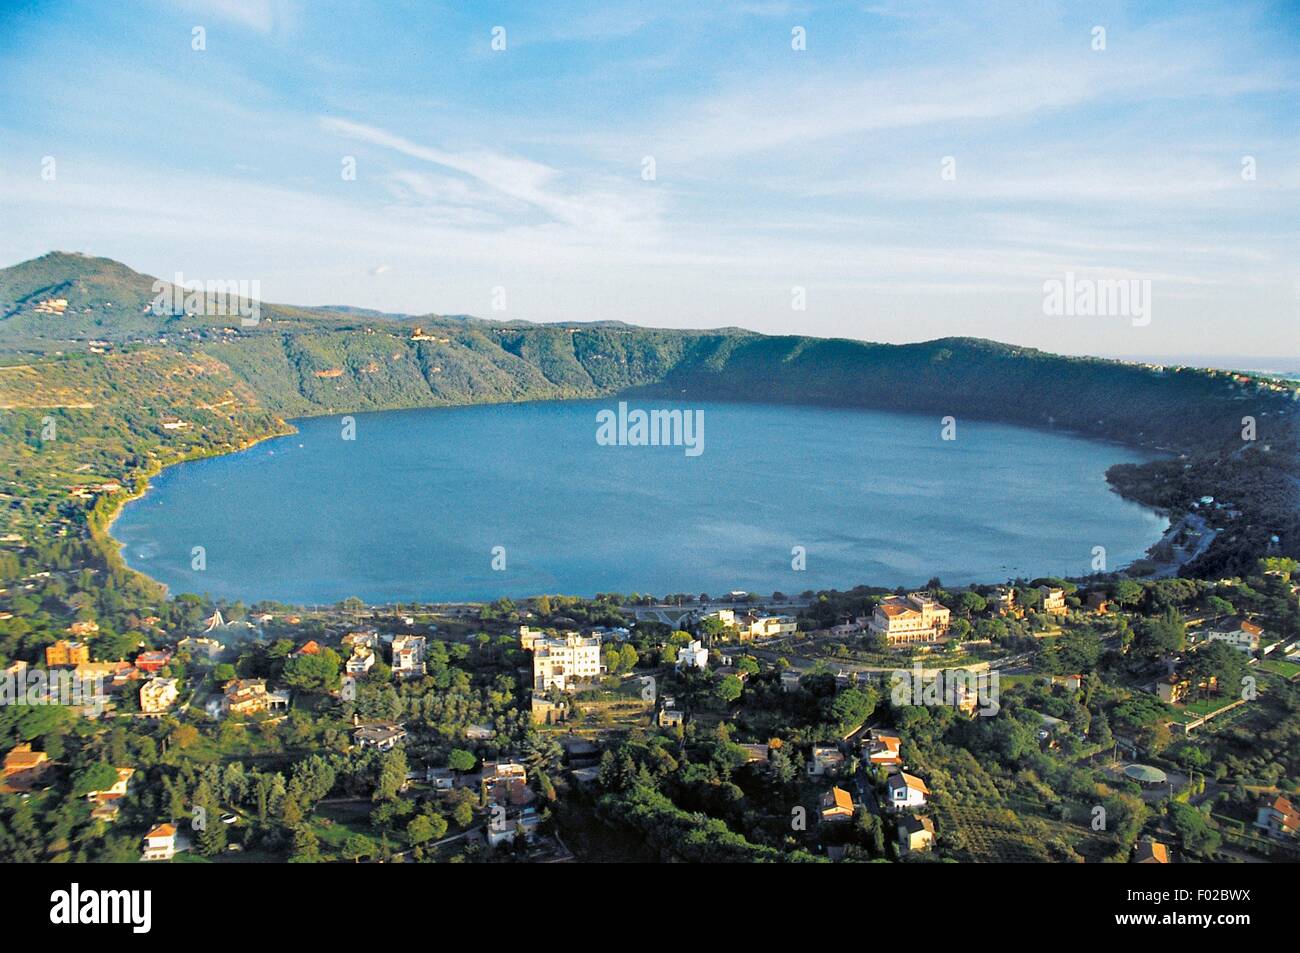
916 170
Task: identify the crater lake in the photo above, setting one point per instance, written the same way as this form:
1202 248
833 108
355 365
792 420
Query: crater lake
422 504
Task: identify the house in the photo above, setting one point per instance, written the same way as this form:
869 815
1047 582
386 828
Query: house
1004 603
151 662
824 759
883 749
1072 683
564 662
106 811
526 821
1174 689
528 638
756 754
442 779
546 712
362 661
1277 817
1150 852
24 769
915 834
1242 634
199 646
905 620
671 717
64 652
693 655
104 804
906 792
756 626
160 843
157 695
1052 600
505 782
408 656
117 789
382 737
87 628
361 640
310 647
1097 602
836 805
250 696
789 681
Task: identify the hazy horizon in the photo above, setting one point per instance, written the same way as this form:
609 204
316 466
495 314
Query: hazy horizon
891 172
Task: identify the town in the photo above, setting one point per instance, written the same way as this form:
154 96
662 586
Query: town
1070 721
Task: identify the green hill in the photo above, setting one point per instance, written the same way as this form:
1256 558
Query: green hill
305 361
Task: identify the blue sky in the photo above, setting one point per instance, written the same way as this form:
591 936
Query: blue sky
522 169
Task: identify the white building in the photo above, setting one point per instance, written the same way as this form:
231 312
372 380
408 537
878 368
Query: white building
1241 634
694 655
362 661
906 792
560 663
408 656
160 843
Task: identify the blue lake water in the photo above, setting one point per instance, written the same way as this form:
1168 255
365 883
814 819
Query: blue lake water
415 505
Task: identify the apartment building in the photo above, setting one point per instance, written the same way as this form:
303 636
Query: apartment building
157 695
561 662
408 656
64 652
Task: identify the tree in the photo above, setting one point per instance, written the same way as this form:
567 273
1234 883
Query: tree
423 829
98 777
1197 835
306 847
730 688
1156 638
355 847
460 760
314 673
392 775
1128 592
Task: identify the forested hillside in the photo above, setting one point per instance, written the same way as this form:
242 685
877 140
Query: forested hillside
305 361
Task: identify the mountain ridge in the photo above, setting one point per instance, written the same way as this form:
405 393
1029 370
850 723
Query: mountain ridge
106 355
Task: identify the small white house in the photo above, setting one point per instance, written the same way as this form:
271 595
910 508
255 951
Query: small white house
160 843
906 792
694 655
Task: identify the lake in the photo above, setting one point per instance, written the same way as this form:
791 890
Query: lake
422 505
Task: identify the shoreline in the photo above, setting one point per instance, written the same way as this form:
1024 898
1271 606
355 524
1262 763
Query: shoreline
103 533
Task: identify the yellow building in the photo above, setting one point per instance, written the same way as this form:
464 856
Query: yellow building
64 652
906 620
1053 600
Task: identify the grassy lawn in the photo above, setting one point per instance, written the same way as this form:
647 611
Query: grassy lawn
1200 708
1282 667
333 824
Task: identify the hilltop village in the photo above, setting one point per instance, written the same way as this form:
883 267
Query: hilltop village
1040 720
